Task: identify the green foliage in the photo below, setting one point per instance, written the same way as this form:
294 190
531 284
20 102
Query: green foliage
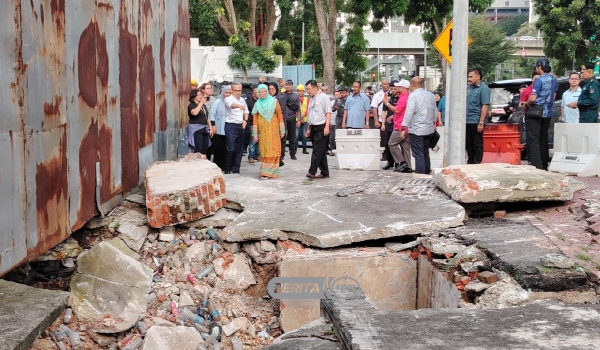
567 27
583 257
488 48
289 28
351 62
280 47
509 26
244 56
203 23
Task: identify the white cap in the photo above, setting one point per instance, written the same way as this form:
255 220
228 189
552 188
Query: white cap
402 83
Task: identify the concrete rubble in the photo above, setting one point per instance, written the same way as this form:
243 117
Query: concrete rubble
497 182
172 338
183 191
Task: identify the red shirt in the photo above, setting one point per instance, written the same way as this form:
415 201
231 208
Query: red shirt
400 109
526 93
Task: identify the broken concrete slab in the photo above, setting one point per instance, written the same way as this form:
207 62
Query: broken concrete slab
328 221
124 248
221 218
557 260
110 282
135 215
137 198
539 325
315 335
516 246
502 294
97 222
397 247
25 312
238 271
388 279
497 182
133 235
182 191
172 338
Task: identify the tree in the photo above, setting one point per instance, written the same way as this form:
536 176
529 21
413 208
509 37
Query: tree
244 56
326 14
203 23
489 47
511 25
352 63
570 29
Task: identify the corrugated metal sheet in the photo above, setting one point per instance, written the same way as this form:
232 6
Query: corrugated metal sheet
87 85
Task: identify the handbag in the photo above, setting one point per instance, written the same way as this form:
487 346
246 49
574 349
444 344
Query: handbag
434 140
535 111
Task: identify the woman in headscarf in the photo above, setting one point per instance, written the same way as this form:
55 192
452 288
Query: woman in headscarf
199 130
274 91
268 129
217 117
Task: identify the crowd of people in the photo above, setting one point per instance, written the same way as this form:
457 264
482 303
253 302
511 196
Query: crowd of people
261 123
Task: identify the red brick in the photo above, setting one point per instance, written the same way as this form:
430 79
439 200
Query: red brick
499 214
465 280
488 277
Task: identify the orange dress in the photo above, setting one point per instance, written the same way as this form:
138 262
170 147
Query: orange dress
269 142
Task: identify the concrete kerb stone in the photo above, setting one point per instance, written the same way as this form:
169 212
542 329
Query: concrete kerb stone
497 182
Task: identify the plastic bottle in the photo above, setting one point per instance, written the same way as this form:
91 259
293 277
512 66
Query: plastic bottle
214 313
174 310
204 272
193 231
191 278
201 328
211 233
216 330
142 328
68 316
204 301
188 315
74 338
204 314
215 248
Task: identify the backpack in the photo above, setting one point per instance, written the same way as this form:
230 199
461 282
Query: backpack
292 103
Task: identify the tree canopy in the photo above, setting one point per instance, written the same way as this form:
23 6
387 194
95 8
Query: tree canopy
509 26
489 47
570 29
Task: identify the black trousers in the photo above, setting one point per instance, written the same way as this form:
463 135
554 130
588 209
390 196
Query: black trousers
385 137
234 137
290 129
319 153
247 132
219 146
201 142
474 144
537 141
419 145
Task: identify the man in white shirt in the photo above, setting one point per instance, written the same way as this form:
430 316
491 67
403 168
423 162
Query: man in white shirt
569 113
319 113
236 118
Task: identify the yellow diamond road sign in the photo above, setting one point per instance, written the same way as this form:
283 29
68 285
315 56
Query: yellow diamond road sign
443 43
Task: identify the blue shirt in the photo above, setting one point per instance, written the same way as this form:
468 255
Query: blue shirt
477 96
544 88
442 108
357 107
218 119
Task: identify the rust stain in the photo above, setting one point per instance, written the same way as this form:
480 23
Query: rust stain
102 57
53 109
86 58
88 156
162 111
106 148
32 10
162 57
147 97
128 73
51 184
57 8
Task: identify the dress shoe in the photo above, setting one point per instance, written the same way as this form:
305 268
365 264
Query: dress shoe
227 172
400 167
310 176
407 170
281 163
321 176
250 160
388 166
293 158
304 151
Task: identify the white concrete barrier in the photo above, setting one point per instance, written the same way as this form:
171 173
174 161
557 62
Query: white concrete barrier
437 156
358 149
576 149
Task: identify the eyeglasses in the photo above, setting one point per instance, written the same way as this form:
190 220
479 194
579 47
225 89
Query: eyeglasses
236 90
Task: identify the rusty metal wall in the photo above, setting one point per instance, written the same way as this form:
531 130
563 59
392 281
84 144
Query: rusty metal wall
89 85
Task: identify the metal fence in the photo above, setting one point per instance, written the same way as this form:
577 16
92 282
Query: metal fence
93 91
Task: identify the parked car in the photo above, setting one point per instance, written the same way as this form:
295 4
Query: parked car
502 93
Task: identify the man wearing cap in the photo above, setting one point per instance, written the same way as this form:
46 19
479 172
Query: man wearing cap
356 109
588 99
542 94
569 113
478 103
290 111
302 118
399 145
